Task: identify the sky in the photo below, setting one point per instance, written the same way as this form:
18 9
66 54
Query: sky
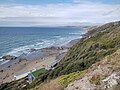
58 12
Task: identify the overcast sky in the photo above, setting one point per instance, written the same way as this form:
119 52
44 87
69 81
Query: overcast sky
57 12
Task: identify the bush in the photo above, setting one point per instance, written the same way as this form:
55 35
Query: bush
88 51
67 79
95 80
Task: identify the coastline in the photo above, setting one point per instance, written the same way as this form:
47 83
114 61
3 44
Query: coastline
36 59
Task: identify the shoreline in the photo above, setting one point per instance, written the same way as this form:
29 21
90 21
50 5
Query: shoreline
34 60
64 44
54 40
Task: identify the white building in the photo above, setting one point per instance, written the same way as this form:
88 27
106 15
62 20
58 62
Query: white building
22 75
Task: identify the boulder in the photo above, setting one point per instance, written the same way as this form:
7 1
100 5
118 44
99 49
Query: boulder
33 49
8 57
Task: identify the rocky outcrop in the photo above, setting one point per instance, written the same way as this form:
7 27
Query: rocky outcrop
52 48
9 57
111 81
33 49
82 84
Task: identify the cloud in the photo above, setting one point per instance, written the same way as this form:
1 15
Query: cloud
58 14
83 1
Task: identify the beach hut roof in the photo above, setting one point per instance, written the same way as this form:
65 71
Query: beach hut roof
37 73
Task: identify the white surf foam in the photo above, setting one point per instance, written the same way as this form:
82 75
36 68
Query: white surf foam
57 41
26 49
1 60
74 33
5 61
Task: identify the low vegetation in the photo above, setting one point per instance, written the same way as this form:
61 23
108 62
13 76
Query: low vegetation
67 79
117 87
89 50
100 42
61 82
95 80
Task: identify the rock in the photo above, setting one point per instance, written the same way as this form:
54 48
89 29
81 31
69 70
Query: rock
50 48
56 48
8 66
53 48
33 49
82 84
8 57
1 70
112 80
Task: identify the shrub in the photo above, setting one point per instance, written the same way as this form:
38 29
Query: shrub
67 79
89 51
95 79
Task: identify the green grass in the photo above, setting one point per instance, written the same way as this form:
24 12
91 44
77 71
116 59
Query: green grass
37 73
80 57
89 51
67 79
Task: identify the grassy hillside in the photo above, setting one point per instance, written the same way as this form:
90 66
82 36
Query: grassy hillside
94 78
61 82
102 41
103 75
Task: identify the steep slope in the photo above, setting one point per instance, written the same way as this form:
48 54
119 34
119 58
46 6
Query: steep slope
102 41
98 43
104 75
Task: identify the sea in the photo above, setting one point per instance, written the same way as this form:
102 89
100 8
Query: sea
18 40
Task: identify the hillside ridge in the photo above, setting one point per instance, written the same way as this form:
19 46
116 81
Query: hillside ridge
81 59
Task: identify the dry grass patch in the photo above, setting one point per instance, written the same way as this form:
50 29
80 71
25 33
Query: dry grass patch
51 85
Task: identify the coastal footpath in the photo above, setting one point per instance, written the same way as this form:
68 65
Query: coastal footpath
93 63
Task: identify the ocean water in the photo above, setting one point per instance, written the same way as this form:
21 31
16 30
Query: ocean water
18 40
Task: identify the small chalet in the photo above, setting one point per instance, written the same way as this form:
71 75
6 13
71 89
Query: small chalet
36 74
22 75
